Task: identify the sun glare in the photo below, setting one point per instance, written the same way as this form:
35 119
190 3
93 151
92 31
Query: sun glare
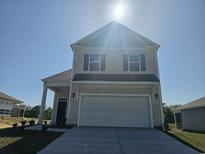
118 11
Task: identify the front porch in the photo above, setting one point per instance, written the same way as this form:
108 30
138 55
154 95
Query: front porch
60 85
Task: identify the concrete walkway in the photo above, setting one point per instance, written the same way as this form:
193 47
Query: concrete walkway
99 140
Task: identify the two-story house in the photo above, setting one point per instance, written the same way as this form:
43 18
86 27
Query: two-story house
10 106
114 81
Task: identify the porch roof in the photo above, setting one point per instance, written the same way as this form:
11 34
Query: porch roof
61 79
62 76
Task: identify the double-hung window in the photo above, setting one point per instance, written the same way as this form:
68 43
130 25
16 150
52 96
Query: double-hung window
94 62
134 62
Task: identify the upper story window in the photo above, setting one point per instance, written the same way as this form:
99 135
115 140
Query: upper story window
134 62
94 62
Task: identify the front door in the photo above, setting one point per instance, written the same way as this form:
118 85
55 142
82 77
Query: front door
61 117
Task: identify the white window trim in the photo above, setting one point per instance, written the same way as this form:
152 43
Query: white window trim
89 62
135 62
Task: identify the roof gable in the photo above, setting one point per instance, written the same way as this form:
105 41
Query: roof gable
63 76
114 34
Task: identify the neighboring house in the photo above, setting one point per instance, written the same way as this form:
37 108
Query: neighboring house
114 81
9 106
191 116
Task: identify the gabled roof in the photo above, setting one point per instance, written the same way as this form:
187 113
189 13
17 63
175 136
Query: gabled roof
194 104
63 76
114 34
7 97
116 77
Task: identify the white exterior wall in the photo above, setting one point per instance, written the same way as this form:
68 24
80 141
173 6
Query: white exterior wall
114 60
6 105
194 119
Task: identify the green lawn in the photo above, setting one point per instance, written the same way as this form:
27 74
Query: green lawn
195 139
17 141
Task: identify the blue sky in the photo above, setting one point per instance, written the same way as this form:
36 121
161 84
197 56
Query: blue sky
35 38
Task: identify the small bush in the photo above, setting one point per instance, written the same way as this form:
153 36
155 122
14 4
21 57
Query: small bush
31 122
166 124
44 126
23 122
15 125
45 122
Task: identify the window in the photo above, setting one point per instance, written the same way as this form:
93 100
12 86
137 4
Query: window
94 62
6 111
134 62
1 111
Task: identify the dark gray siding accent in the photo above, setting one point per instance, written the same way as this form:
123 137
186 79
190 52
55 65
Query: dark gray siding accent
116 77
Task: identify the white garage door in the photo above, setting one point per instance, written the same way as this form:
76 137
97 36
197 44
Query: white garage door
116 111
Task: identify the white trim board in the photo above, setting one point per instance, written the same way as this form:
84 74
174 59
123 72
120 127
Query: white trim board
112 94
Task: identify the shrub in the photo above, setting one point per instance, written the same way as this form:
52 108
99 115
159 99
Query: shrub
166 124
15 125
44 126
45 122
31 122
23 122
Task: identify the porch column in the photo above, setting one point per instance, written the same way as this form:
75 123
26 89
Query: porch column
43 103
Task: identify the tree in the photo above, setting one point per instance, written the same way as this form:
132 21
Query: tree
169 112
48 113
33 112
169 115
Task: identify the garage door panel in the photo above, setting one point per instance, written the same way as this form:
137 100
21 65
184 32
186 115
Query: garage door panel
119 111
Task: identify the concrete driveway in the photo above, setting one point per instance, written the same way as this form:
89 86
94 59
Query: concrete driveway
99 140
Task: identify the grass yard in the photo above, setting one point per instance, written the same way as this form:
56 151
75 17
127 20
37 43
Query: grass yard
9 121
17 141
195 139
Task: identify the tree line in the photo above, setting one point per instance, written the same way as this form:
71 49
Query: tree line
33 112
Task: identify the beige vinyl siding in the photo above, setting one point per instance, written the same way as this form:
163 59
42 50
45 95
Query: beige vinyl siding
114 60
